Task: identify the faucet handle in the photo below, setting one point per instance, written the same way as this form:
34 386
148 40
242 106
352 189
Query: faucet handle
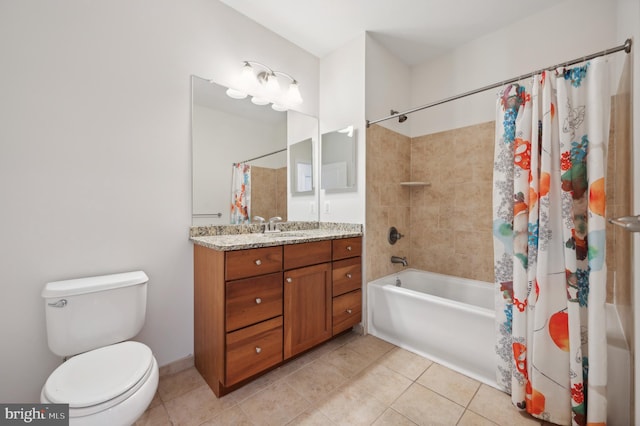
275 219
259 219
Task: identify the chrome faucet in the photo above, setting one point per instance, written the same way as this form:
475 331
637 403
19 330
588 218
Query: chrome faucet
398 259
271 226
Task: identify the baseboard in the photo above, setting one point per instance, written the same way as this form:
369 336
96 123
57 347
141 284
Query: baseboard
177 366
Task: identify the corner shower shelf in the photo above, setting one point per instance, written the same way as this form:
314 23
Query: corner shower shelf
415 184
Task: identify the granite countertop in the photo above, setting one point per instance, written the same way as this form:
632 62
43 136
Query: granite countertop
241 237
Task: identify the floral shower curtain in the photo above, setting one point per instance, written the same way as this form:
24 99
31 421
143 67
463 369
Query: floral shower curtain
241 193
549 243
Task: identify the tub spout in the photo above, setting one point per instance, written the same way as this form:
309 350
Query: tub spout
398 259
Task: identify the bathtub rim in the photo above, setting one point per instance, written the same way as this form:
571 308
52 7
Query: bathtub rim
388 284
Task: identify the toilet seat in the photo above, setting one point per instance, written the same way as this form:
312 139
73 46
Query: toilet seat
97 380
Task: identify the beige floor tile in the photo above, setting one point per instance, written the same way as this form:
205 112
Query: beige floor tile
277 404
311 417
497 407
314 381
469 418
232 416
392 418
450 384
370 346
348 406
154 416
332 345
426 407
155 401
406 363
177 384
348 362
196 406
382 383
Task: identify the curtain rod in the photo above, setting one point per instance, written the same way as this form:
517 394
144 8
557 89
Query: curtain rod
626 47
262 156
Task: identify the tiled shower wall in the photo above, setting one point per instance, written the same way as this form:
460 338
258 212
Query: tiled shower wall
448 224
269 192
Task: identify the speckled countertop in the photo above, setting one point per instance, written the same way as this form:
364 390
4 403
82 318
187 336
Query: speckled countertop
239 237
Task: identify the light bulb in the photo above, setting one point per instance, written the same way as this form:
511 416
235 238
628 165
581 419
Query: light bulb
248 80
293 95
272 86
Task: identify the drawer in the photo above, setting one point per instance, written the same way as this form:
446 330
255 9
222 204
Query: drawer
252 300
347 311
252 262
347 247
347 275
305 254
252 350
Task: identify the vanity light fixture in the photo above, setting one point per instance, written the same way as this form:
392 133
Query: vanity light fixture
261 82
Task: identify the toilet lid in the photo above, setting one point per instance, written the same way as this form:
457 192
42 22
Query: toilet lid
99 375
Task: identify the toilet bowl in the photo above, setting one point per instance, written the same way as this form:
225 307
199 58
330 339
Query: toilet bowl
106 379
108 386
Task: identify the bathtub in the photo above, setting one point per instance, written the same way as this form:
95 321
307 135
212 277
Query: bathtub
451 321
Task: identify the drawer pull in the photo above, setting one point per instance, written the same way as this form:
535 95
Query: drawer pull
348 248
258 349
289 280
258 262
258 301
349 311
349 276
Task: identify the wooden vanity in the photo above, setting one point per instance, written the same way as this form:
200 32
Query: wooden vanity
255 308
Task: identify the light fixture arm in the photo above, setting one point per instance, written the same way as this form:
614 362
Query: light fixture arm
268 71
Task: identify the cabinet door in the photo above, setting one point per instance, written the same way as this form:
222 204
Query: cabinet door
307 308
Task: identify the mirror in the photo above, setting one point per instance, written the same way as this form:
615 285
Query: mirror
338 173
301 166
226 131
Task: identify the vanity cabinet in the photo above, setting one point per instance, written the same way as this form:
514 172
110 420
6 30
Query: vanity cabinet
346 283
307 296
255 308
238 318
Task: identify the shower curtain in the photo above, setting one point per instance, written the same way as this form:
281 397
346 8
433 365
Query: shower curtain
549 243
241 193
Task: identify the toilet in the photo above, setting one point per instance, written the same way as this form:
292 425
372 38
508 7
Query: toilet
106 379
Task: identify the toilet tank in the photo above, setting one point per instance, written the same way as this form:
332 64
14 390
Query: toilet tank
88 313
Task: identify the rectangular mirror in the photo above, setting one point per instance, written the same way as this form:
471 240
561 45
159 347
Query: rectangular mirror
338 152
301 166
228 132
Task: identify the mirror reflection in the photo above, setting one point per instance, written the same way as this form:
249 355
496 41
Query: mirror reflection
301 166
240 158
338 150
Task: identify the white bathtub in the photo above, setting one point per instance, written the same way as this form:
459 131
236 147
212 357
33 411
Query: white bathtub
446 319
451 321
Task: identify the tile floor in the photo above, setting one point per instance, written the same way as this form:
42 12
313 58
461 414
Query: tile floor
351 380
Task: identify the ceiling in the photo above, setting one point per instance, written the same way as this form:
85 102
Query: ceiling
414 30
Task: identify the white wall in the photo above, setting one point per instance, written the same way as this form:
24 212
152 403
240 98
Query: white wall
342 94
95 156
388 86
567 31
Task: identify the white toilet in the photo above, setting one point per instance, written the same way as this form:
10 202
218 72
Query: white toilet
107 380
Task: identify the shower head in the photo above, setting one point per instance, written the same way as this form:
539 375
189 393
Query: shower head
401 118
